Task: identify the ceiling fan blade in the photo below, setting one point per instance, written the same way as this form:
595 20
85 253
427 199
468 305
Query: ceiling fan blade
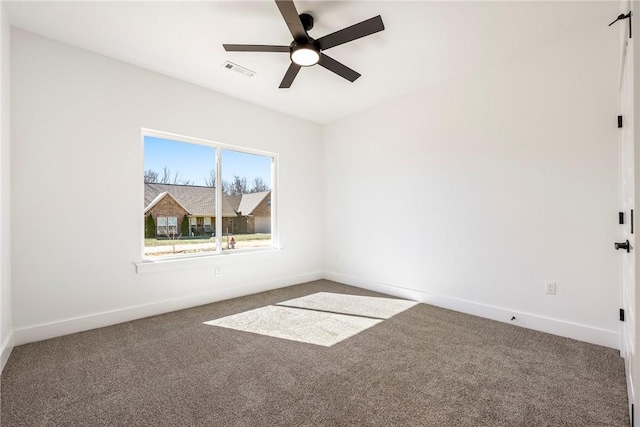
254 48
338 68
290 15
351 33
291 74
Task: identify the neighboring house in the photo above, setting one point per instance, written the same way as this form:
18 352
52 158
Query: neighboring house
257 208
168 204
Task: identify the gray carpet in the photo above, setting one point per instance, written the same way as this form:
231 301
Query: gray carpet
426 366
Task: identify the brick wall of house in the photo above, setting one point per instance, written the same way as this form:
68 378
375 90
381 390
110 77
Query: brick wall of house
246 224
240 225
168 207
261 213
264 208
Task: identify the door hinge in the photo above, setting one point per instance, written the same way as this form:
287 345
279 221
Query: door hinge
622 314
619 121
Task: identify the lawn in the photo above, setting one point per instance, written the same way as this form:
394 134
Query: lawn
205 239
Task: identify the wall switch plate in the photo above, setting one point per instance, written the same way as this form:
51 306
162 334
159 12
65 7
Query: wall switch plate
550 288
218 272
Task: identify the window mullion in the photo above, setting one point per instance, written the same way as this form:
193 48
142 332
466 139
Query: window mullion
218 200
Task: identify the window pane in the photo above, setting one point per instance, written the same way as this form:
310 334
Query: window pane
162 226
179 192
173 226
246 200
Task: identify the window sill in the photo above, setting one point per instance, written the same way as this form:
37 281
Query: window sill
202 261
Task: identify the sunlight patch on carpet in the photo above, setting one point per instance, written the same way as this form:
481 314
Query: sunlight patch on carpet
357 305
322 318
313 327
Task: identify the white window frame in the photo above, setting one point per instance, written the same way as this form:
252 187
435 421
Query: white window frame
148 263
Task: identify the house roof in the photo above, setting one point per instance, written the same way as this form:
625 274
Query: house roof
250 202
201 201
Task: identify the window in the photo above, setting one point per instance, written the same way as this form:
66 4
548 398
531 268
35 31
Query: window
173 225
187 213
167 226
162 226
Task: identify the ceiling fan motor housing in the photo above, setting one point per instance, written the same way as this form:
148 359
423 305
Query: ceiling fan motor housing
307 21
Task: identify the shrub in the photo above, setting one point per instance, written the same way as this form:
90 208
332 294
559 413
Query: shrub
149 227
185 226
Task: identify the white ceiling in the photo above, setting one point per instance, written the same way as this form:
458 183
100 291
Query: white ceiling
424 42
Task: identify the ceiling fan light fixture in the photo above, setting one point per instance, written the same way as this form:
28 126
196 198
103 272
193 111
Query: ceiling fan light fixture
305 51
305 54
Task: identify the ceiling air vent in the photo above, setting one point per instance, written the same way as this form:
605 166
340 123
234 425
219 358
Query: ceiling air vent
238 69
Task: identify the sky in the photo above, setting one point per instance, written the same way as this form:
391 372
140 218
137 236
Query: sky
194 162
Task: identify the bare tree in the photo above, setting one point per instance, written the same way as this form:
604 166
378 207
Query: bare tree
210 181
227 188
238 185
258 185
165 177
174 238
150 176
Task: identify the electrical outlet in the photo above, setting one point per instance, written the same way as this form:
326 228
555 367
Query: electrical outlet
550 288
218 272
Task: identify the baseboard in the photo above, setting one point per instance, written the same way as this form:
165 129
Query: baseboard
539 323
79 324
5 350
99 320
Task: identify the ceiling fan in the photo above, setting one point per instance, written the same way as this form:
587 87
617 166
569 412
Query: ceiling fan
306 51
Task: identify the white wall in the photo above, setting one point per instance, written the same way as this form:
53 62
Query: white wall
6 332
77 195
473 193
467 195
